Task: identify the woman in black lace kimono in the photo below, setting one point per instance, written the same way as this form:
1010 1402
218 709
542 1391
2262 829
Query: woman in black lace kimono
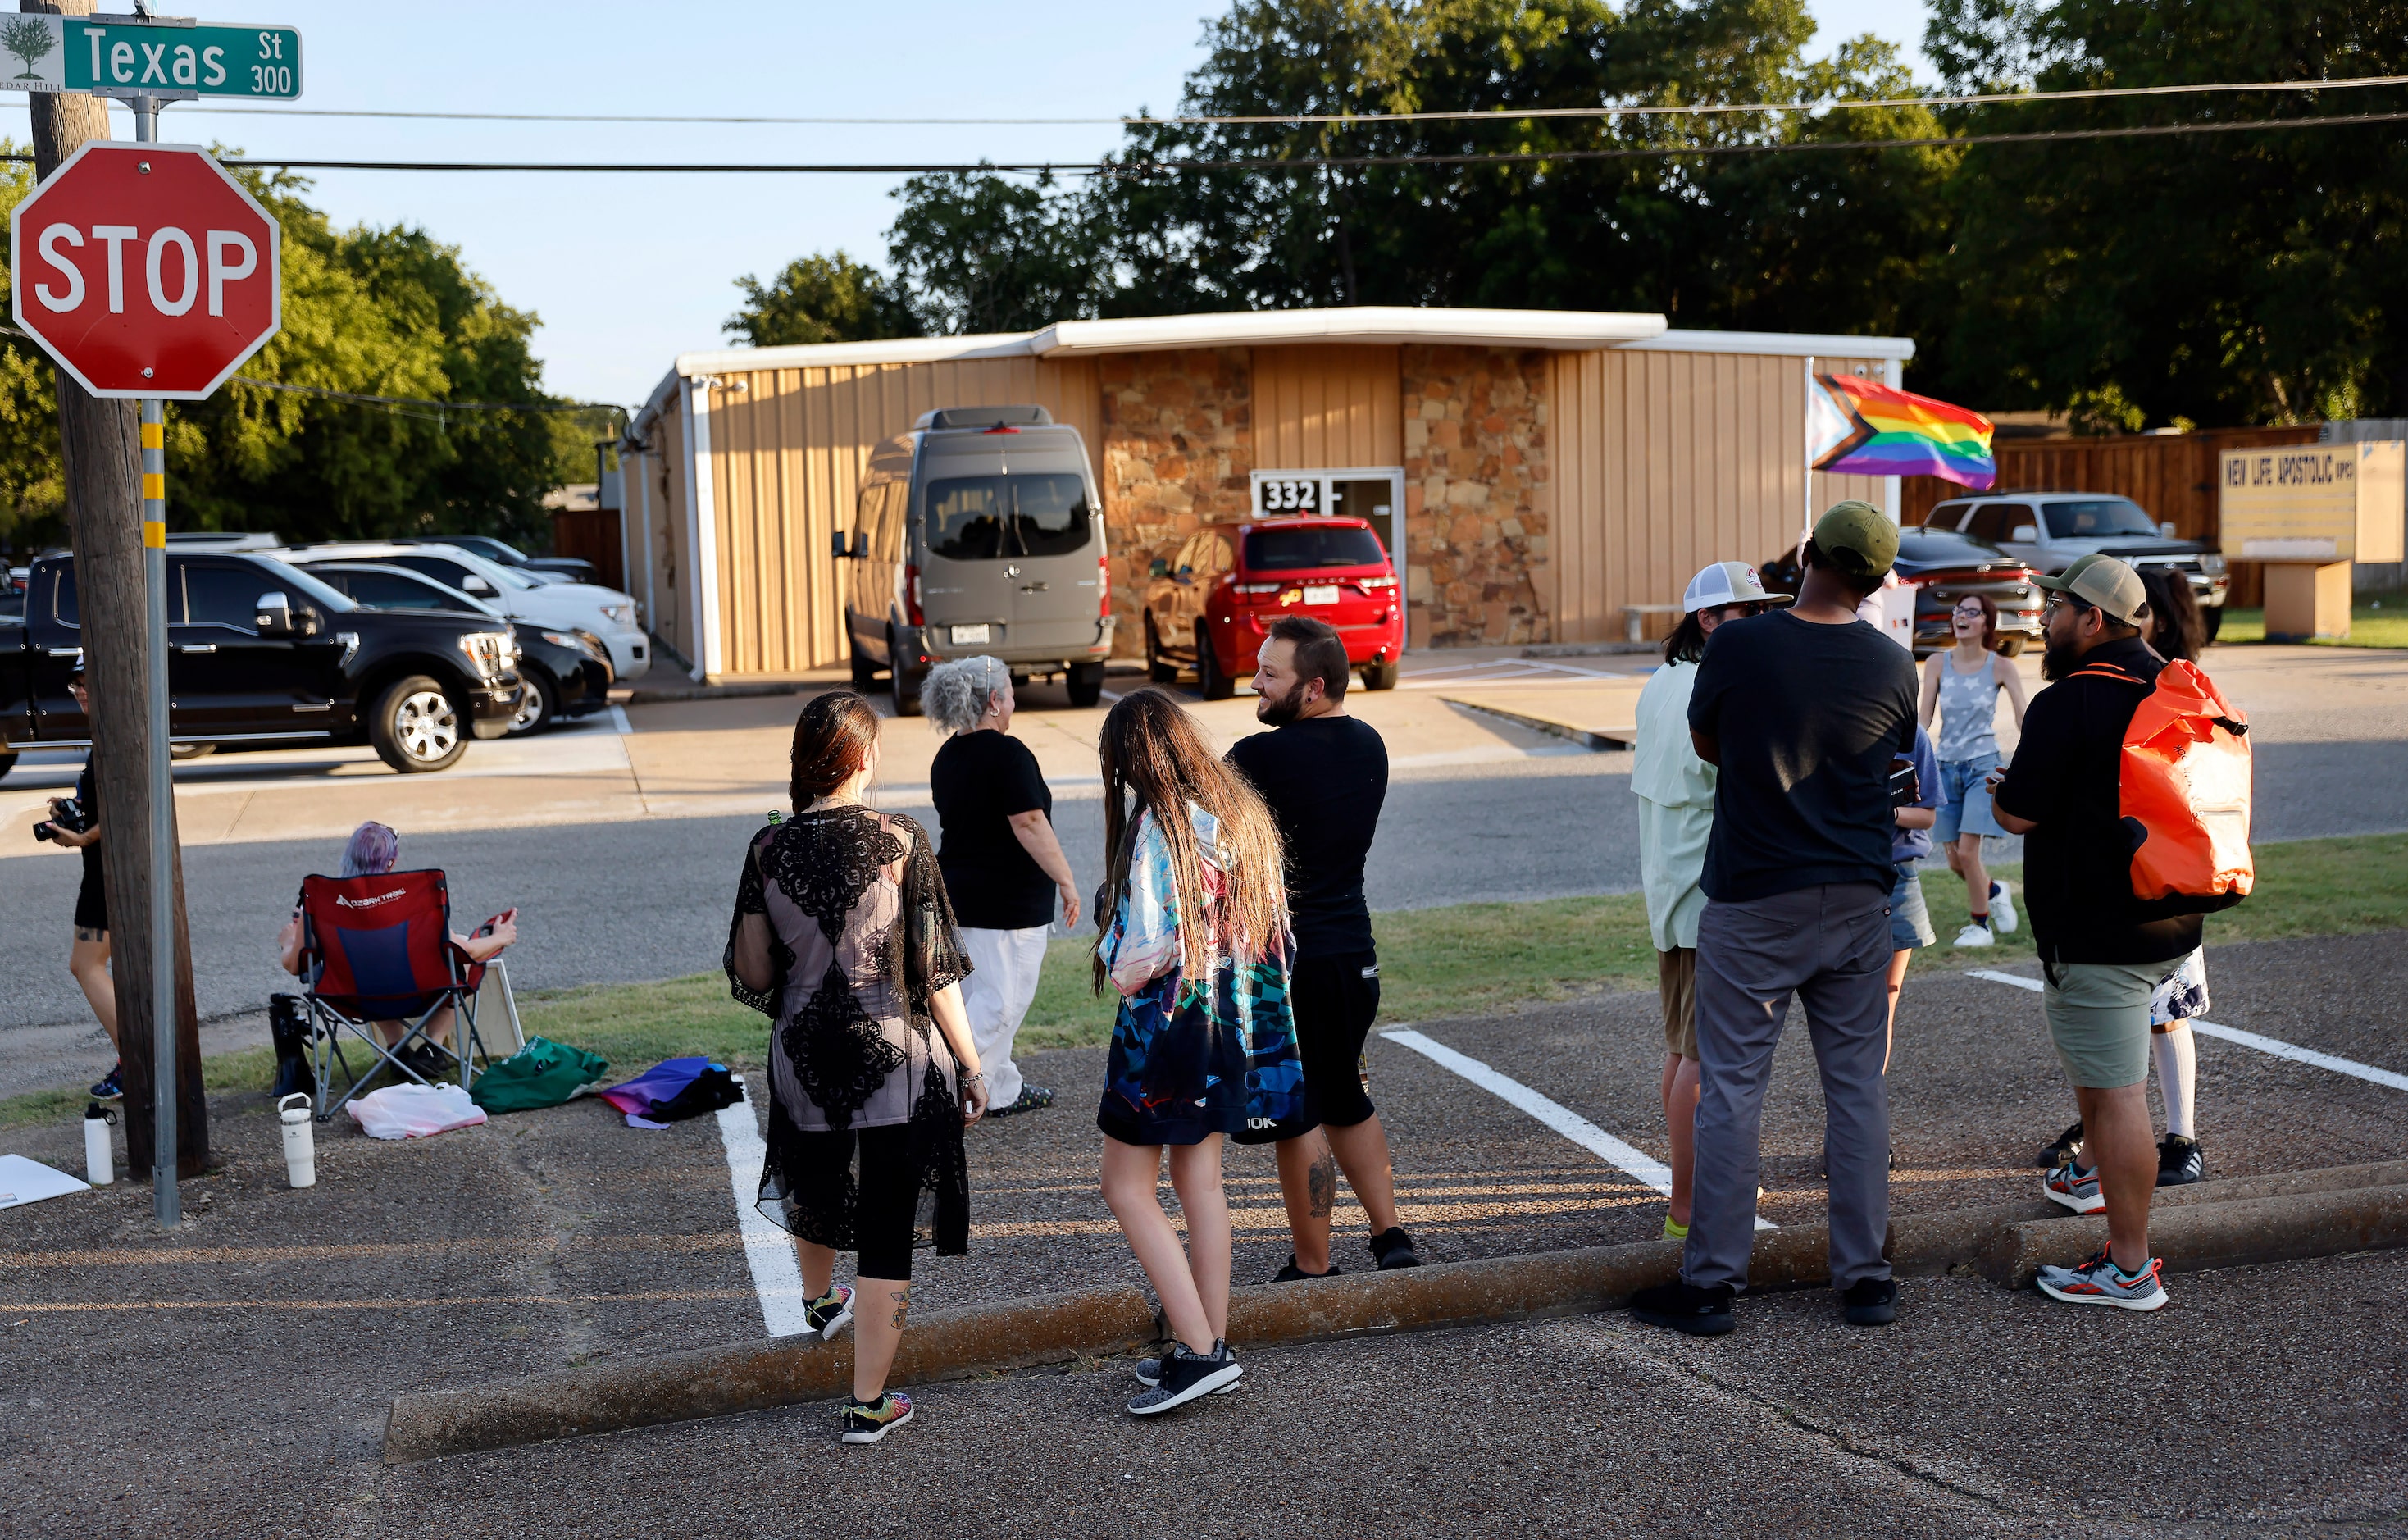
845 937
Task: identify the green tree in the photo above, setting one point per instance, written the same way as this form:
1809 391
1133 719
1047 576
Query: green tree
981 252
29 41
821 299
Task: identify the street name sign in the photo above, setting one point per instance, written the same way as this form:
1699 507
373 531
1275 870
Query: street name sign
145 270
123 56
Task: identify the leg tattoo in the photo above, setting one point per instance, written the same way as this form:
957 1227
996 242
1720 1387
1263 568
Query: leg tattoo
902 1297
1322 1184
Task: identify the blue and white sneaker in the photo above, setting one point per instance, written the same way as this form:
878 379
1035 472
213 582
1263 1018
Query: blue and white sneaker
830 1314
113 1085
2003 909
2076 1189
2099 1281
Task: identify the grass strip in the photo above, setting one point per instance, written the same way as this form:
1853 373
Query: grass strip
2380 623
1465 959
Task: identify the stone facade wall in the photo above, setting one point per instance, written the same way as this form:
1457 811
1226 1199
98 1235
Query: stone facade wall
1478 500
1178 449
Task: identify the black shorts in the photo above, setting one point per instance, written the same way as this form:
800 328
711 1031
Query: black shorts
91 899
1335 999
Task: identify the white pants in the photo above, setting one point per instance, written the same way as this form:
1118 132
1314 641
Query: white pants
1004 965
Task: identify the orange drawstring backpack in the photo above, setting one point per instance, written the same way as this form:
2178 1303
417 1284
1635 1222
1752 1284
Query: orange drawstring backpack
2184 792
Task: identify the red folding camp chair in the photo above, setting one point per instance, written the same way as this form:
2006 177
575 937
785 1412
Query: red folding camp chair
380 949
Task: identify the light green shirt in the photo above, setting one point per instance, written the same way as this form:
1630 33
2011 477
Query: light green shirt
1676 808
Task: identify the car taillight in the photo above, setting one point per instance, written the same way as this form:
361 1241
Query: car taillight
912 595
1372 585
1103 589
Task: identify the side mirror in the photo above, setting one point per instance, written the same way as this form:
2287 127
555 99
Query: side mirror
2166 528
472 583
837 544
1160 568
273 614
2025 534
1187 574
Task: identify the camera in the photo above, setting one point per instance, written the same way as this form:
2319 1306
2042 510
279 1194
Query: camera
1905 785
71 817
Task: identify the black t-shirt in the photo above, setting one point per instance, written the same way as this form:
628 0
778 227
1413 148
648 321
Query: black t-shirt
2078 863
978 780
1325 779
87 793
1809 717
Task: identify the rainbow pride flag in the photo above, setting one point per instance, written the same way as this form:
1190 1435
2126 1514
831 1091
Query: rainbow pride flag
1856 427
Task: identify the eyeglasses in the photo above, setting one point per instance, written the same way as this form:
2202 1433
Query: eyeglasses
1973 612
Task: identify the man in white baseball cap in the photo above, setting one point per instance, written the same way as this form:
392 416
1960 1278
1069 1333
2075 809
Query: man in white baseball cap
1676 813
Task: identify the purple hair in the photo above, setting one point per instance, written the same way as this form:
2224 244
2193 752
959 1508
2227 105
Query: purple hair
373 850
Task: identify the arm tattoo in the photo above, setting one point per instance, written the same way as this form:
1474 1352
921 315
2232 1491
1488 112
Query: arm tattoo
1322 1183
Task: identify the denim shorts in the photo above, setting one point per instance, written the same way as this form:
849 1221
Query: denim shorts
1965 800
1910 922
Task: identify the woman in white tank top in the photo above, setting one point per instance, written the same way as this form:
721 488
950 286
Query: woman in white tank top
1960 711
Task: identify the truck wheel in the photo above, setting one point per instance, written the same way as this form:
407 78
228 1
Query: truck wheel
865 672
7 763
2011 646
2215 618
1211 682
1380 676
415 728
905 688
1157 667
1087 683
538 705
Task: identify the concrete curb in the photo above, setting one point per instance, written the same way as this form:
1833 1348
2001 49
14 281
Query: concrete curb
2217 1224
1603 741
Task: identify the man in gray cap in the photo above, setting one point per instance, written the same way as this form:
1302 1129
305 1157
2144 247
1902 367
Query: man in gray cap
2102 951
1806 712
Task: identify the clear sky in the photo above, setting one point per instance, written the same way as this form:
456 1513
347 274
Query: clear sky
626 271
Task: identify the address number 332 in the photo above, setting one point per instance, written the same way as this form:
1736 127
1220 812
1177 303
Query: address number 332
1282 497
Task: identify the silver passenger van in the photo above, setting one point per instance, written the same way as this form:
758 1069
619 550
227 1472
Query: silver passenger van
978 531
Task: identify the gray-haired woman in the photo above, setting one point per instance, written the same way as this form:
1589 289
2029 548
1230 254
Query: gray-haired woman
1003 866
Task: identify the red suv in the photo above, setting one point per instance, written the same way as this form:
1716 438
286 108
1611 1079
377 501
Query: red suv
1210 599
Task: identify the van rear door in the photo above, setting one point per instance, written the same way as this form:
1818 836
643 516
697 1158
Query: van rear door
1058 541
968 570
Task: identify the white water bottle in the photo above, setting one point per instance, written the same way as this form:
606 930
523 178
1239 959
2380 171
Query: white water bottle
300 1140
100 1167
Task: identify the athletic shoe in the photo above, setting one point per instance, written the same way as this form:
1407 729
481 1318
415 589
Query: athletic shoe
1149 1373
1871 1302
2076 1189
2068 1145
1184 1376
2099 1281
1674 1232
113 1085
1293 1274
1392 1249
1031 1098
1684 1307
830 1314
2180 1162
866 1422
2003 909
1974 934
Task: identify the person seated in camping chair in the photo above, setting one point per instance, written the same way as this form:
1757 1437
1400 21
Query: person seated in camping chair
372 852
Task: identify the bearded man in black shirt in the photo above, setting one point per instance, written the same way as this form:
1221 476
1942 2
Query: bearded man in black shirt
1325 775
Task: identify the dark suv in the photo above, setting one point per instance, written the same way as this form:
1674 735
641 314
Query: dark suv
1210 600
262 654
1944 565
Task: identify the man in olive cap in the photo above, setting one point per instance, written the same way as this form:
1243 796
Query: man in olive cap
2102 951
1805 712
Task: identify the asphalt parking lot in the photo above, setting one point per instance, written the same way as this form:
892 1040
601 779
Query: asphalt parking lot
233 1377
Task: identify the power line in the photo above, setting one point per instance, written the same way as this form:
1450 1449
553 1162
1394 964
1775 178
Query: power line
1347 118
1307 163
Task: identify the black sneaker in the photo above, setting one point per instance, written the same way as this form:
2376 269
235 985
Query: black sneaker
1392 1249
831 1313
1031 1098
1184 1376
866 1422
2068 1145
1684 1307
113 1085
2180 1162
1871 1302
1293 1274
1148 1372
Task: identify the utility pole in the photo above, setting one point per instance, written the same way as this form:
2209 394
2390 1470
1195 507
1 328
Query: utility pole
113 522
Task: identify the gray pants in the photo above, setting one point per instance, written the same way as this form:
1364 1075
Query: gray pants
1829 946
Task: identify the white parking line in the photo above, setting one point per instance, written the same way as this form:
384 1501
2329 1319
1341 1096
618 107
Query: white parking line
2273 1046
1572 1125
776 1275
619 720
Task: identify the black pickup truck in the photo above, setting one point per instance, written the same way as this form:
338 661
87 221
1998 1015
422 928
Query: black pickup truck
262 654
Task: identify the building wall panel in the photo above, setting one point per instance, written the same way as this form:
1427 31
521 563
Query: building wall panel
1321 407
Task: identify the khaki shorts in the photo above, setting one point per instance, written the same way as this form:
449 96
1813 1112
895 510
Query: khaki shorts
1676 980
2098 1018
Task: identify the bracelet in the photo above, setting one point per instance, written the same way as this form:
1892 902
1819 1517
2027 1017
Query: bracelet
973 1074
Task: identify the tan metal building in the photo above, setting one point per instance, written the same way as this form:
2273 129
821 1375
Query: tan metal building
1539 470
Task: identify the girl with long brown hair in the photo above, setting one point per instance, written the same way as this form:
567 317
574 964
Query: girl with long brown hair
1195 937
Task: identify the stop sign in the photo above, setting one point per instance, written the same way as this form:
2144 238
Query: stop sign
144 269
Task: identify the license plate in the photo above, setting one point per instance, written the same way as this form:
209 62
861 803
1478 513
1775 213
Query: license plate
1320 593
966 636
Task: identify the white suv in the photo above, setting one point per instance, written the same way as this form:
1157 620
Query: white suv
610 615
2046 530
